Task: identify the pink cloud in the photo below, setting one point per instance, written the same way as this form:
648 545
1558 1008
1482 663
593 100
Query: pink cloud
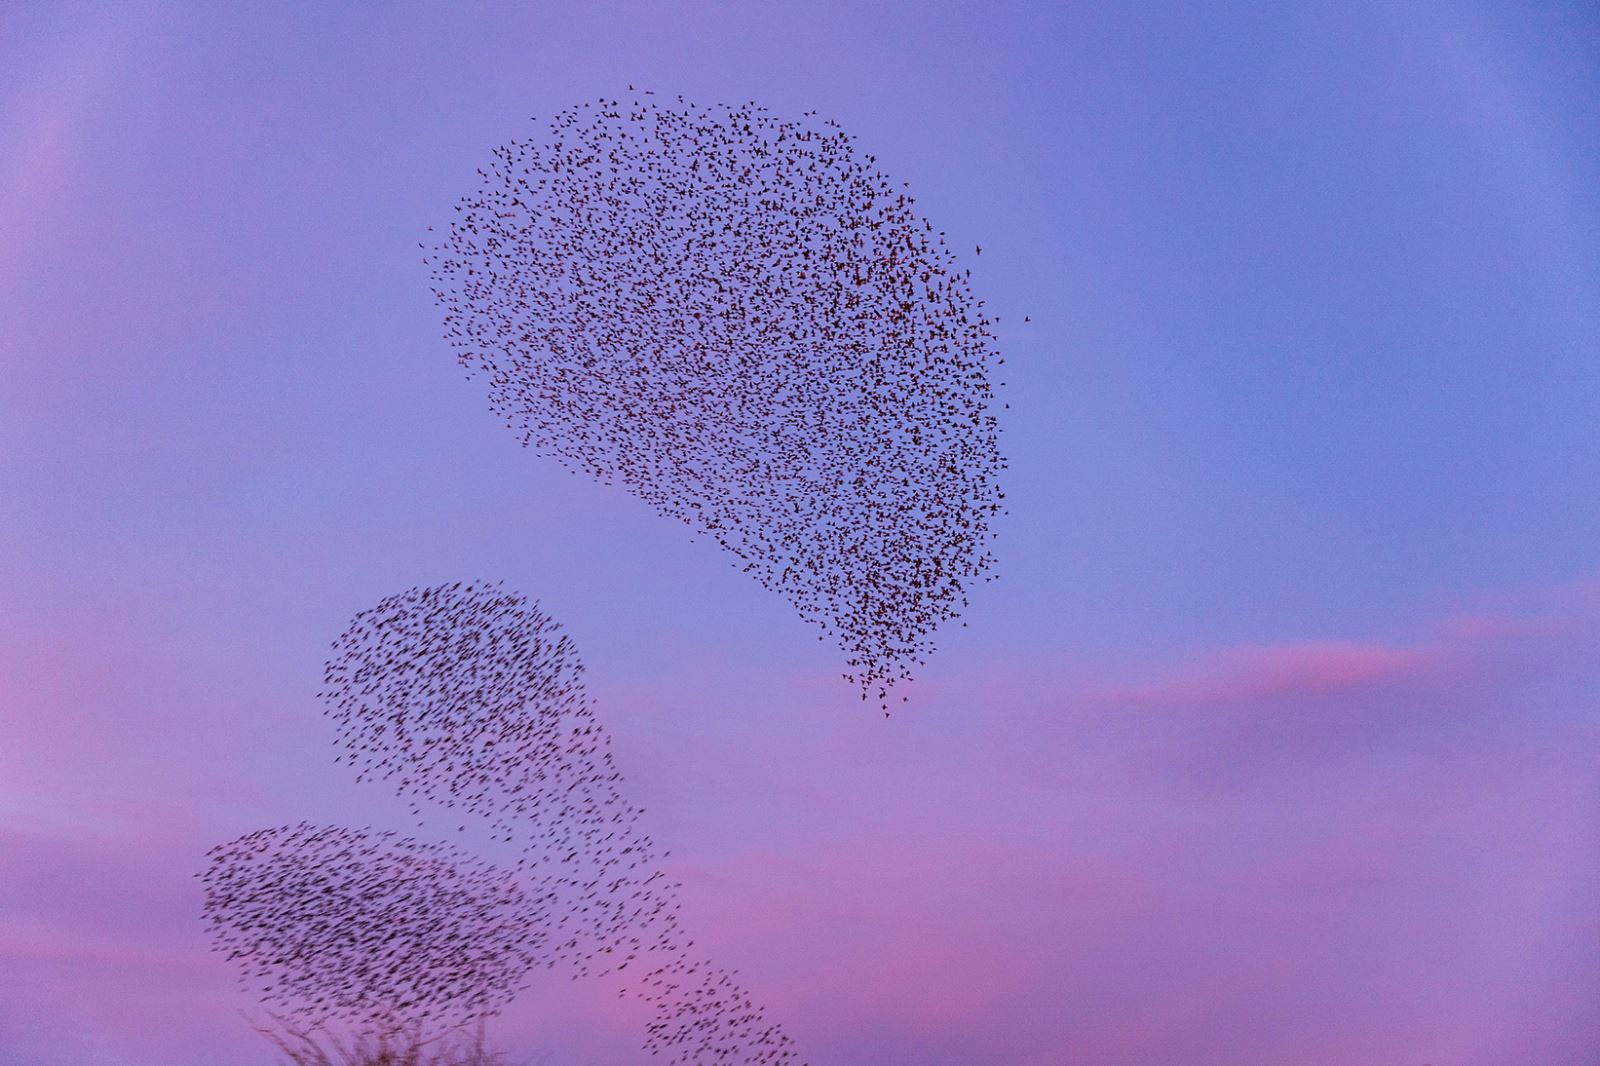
1321 853
1368 922
1285 671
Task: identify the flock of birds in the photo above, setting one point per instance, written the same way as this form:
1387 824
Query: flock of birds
467 699
742 321
351 924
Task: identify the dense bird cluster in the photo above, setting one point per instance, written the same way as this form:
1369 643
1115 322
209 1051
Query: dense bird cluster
742 321
363 926
467 698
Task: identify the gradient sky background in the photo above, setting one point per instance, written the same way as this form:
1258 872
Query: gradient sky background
1275 744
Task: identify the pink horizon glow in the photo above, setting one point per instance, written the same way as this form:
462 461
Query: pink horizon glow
940 940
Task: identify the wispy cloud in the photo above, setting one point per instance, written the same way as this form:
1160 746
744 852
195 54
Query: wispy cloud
1284 672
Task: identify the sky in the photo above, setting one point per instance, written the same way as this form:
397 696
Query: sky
1275 742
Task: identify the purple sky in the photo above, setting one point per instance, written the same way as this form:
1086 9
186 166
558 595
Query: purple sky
1275 744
